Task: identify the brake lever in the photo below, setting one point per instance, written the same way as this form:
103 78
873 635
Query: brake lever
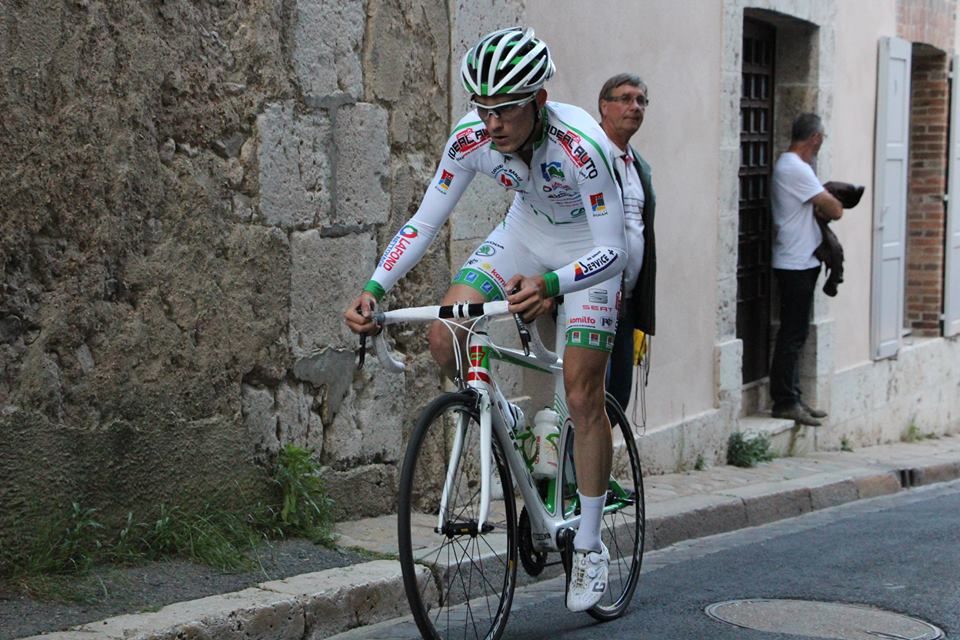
362 351
522 328
524 334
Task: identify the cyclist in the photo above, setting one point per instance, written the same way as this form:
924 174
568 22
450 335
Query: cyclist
562 235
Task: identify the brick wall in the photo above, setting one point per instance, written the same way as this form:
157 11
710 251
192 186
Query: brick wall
927 184
928 21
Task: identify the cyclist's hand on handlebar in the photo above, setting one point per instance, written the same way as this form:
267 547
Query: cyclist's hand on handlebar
529 297
359 315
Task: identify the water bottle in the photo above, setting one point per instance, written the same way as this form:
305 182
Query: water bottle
546 434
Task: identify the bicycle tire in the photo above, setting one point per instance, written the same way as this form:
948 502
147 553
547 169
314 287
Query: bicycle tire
623 528
474 572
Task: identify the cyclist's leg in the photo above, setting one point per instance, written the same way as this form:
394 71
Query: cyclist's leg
583 374
591 325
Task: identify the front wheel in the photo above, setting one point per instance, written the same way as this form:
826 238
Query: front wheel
474 568
623 524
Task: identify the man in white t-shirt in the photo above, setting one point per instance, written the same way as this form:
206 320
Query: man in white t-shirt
796 196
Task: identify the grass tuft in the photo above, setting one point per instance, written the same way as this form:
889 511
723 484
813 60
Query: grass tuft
748 452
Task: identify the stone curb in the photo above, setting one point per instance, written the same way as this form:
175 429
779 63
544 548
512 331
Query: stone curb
311 605
318 605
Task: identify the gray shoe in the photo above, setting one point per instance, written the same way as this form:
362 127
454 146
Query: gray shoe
798 414
814 412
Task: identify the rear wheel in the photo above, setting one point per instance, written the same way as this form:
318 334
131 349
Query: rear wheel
623 524
474 569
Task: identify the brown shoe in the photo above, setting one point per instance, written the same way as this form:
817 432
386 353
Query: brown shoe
816 413
798 414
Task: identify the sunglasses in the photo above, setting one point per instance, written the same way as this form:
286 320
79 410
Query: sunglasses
504 110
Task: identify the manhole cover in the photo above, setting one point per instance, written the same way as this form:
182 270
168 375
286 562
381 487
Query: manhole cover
822 620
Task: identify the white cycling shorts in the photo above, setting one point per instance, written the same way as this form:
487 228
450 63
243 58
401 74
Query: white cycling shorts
591 312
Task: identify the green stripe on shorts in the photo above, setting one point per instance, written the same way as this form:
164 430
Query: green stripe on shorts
481 282
590 339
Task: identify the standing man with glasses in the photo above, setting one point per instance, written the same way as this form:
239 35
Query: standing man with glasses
563 235
796 196
623 105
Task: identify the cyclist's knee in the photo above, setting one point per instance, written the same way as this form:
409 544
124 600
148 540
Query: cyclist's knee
441 347
585 400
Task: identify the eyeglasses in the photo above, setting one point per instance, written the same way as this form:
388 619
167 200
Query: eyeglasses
504 110
627 100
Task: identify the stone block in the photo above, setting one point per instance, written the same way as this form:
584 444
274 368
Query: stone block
833 494
325 275
327 47
406 63
294 166
726 313
880 484
705 435
693 517
659 449
260 419
768 503
251 614
370 423
730 192
934 473
327 369
468 22
339 599
297 421
728 362
363 158
362 491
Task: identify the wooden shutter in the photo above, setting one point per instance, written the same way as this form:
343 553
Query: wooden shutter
951 274
890 196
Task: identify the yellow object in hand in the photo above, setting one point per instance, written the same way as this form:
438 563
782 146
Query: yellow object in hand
639 345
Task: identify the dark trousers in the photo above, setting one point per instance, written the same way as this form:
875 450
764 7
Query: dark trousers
796 301
620 372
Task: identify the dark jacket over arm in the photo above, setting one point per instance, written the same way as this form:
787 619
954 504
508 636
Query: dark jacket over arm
643 299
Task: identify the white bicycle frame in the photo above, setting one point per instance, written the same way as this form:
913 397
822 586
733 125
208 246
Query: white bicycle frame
496 419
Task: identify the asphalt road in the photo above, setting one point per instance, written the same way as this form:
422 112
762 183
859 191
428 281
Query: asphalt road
898 553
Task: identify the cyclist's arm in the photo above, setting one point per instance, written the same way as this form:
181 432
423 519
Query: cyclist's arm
601 200
412 240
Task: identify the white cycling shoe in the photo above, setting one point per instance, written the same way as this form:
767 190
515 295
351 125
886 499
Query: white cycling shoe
588 578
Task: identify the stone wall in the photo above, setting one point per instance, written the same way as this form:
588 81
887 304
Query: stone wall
191 192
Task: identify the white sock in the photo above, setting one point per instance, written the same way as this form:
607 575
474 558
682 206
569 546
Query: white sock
591 513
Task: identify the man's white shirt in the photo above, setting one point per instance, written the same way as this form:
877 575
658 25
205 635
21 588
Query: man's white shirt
633 201
796 233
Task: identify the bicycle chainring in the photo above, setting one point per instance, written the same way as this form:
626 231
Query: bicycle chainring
533 561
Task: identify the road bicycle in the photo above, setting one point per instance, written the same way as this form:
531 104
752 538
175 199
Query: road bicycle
465 462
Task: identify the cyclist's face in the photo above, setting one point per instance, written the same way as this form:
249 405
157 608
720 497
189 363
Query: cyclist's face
511 125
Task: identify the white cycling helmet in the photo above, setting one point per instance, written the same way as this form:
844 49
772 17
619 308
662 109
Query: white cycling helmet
506 61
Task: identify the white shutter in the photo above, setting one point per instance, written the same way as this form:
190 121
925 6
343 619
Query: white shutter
890 196
951 277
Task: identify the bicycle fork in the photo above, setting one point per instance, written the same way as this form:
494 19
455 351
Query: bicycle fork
478 379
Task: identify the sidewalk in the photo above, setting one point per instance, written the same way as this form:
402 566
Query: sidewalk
679 507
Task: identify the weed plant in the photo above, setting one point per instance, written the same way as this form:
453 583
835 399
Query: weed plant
748 452
72 543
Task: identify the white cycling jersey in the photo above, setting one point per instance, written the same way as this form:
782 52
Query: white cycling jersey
567 208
